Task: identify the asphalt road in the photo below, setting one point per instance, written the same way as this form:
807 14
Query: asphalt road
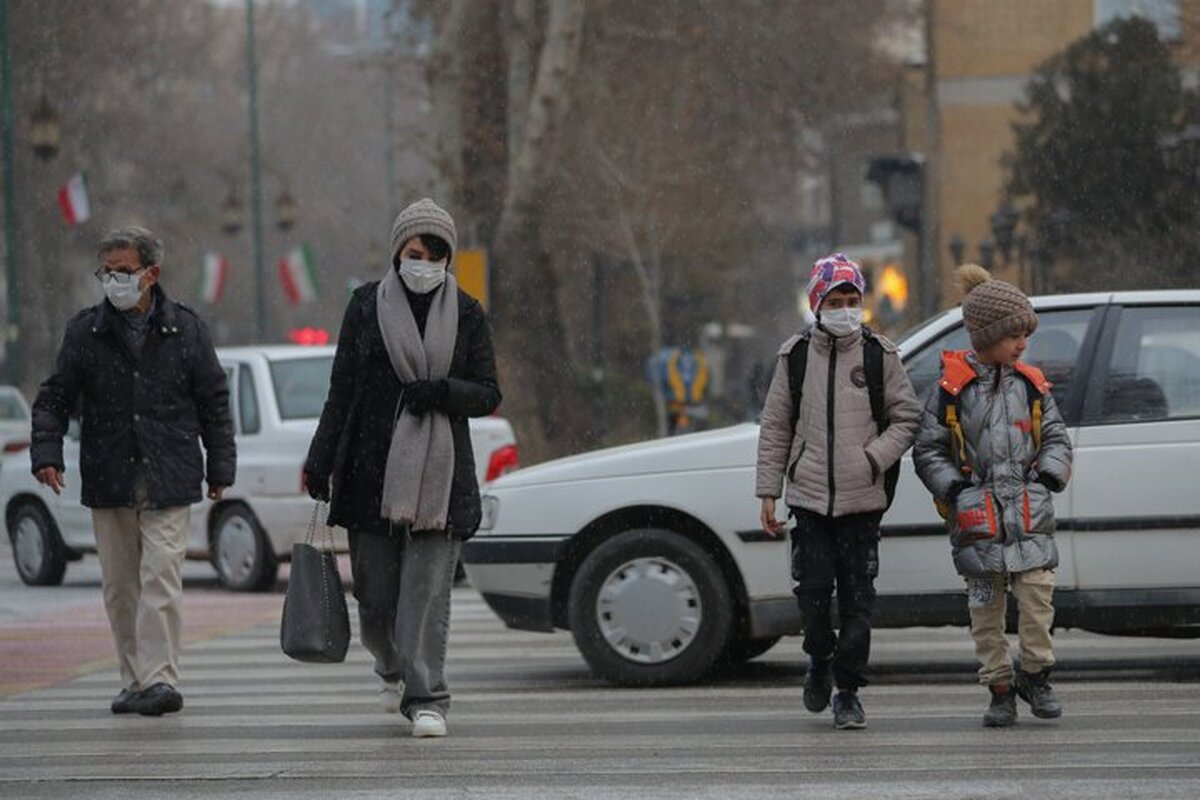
528 719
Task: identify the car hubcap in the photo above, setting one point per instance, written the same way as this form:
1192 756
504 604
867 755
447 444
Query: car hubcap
237 550
649 610
29 546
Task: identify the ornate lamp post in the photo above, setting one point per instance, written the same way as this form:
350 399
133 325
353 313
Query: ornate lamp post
285 211
231 214
958 249
45 131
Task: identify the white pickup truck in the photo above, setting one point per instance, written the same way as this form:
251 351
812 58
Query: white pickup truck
276 394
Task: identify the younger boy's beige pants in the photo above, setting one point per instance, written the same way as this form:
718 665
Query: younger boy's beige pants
987 600
141 563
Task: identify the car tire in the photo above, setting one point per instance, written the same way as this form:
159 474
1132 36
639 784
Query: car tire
741 650
650 607
240 551
38 550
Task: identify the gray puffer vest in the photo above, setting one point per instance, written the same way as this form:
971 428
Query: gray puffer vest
1003 519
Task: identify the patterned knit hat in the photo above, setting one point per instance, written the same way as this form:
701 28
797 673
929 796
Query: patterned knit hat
829 273
424 216
992 309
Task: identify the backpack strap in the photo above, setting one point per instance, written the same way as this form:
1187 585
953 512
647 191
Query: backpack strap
797 361
873 366
873 355
1034 389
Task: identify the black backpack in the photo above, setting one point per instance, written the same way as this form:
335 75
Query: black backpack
873 367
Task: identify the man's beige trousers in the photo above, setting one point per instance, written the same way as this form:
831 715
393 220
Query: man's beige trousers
141 562
987 601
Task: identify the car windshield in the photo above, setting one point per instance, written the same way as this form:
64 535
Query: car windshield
11 407
301 385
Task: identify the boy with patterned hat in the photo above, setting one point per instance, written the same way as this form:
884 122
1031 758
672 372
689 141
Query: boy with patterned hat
992 448
839 414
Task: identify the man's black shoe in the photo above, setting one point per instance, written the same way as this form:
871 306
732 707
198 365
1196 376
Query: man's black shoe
818 685
123 702
159 699
848 711
1034 688
1003 710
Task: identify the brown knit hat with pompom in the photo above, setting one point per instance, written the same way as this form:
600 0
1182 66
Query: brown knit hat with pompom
992 309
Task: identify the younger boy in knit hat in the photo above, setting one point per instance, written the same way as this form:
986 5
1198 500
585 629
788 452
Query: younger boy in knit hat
991 449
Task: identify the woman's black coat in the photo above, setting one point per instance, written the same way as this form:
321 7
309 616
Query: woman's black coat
352 440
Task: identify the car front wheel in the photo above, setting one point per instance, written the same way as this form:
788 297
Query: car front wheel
650 607
38 552
240 552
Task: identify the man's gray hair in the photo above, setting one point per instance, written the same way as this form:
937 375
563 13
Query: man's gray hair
149 247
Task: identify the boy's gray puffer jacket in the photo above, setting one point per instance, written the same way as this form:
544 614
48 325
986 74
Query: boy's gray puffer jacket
835 458
1002 516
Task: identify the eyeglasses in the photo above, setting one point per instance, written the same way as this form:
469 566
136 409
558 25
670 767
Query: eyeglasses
105 275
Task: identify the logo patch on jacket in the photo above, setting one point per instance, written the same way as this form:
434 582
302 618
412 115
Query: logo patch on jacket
858 376
1024 425
971 518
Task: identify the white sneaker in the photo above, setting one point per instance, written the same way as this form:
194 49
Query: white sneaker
428 723
389 696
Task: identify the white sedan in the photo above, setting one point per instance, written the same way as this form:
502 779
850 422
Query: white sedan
276 394
652 554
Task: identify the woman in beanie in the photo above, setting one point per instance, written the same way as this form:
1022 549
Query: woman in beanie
414 360
834 449
991 449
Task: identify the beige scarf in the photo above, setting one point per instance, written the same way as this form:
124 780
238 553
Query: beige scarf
420 463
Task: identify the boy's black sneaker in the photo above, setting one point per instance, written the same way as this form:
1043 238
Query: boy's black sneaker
1034 688
1003 710
848 712
123 702
818 684
159 699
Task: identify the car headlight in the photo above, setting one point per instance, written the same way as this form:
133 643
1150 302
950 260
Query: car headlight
491 510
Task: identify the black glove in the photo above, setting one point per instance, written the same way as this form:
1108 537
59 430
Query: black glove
421 397
956 489
1049 481
317 486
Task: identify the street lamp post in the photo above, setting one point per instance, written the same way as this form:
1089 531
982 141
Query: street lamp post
12 354
958 249
260 272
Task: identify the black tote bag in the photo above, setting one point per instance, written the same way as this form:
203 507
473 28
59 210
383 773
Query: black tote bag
316 626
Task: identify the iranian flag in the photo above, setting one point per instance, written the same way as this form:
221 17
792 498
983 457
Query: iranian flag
299 276
213 272
73 200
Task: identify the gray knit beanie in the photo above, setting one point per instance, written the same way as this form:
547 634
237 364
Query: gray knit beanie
992 309
424 216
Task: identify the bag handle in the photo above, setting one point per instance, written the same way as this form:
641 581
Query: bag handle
310 538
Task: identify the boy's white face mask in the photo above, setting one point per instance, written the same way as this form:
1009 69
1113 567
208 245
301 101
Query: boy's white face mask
841 321
422 277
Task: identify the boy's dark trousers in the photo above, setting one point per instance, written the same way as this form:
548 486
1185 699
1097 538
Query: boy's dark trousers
841 552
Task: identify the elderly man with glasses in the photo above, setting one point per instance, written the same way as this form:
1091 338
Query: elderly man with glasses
141 370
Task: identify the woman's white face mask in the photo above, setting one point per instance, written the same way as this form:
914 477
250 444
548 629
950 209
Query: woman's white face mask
841 321
422 277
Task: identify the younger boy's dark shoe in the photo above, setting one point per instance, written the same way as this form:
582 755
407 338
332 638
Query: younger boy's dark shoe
159 699
1034 688
1003 710
848 712
818 684
123 702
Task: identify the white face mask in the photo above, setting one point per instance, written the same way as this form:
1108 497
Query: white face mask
122 290
422 277
841 321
